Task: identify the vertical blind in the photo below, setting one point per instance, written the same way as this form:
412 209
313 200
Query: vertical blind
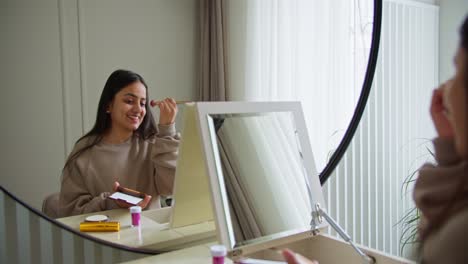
366 192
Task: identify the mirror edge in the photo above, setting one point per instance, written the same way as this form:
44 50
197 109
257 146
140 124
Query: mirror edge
78 233
361 105
324 175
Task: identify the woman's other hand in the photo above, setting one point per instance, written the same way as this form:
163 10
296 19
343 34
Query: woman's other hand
122 204
294 258
439 112
167 110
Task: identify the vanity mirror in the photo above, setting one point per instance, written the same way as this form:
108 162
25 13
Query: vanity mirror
262 172
57 55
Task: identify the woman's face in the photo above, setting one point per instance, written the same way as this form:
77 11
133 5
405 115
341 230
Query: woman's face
456 103
127 109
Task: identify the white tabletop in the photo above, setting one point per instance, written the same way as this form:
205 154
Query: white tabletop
154 231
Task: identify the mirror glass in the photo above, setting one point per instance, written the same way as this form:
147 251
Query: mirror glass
57 55
261 169
315 52
263 174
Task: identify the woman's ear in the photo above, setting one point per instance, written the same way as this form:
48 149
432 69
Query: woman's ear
109 107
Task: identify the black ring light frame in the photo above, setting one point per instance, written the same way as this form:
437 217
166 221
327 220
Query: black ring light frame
361 105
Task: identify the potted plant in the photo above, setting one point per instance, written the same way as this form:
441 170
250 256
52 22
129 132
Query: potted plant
410 220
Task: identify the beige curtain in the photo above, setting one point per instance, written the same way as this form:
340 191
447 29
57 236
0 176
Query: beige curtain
213 72
244 222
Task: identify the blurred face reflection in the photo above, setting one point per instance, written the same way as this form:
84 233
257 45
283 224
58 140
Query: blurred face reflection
456 98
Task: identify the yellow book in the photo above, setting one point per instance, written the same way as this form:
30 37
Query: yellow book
99 226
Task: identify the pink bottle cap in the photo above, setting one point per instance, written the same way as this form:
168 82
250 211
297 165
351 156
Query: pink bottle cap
135 209
218 251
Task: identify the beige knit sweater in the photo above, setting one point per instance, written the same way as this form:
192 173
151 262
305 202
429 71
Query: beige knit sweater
444 221
144 165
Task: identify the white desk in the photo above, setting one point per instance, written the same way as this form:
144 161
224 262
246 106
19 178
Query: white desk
325 249
154 232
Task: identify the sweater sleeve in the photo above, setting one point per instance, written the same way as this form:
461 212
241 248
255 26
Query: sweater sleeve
74 196
445 152
428 185
436 183
164 157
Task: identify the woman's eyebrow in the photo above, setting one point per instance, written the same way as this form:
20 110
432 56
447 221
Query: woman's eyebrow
134 95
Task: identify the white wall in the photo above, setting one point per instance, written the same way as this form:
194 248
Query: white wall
452 13
56 56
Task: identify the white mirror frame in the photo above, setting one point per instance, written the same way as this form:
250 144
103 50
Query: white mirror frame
217 185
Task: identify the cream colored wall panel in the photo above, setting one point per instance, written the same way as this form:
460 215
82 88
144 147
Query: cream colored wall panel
56 56
32 136
157 39
71 71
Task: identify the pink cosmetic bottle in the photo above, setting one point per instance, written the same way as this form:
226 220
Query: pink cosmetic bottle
218 252
135 211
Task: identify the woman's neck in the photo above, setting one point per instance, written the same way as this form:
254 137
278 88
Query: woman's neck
116 137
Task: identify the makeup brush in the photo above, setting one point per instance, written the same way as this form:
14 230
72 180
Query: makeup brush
154 102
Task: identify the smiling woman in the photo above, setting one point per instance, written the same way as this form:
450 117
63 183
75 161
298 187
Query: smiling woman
124 147
56 60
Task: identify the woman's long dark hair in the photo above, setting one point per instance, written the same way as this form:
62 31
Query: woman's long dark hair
118 80
464 45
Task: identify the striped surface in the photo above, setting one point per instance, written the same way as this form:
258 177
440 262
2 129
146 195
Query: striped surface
27 238
364 194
